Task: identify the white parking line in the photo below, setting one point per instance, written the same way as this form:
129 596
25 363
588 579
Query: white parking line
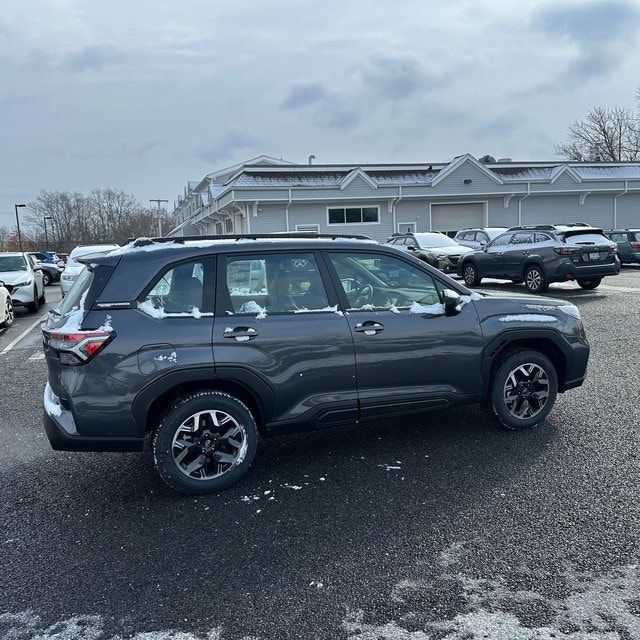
26 332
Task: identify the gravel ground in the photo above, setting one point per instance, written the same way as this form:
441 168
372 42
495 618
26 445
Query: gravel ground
437 526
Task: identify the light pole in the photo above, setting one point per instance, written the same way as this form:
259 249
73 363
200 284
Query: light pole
46 235
158 201
18 224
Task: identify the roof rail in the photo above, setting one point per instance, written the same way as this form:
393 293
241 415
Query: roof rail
141 242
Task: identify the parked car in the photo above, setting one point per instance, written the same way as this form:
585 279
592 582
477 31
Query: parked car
23 279
73 268
477 237
433 247
628 243
543 254
51 271
48 257
163 338
6 307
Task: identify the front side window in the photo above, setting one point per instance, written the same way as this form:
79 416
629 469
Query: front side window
373 281
353 215
180 290
282 283
500 241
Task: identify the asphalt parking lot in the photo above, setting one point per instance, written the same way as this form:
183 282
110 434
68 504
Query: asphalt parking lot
438 526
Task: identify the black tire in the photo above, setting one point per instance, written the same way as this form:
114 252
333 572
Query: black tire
35 305
470 274
8 314
46 278
188 443
535 280
523 389
591 283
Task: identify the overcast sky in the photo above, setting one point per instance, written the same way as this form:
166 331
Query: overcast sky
144 96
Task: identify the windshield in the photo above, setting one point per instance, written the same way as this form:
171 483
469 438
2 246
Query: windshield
434 240
13 263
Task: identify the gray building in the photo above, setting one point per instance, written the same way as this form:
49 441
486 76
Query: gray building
266 195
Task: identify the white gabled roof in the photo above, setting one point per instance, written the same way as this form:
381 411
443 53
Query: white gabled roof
355 174
467 158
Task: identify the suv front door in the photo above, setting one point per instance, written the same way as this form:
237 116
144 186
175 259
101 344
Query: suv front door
490 261
284 330
408 352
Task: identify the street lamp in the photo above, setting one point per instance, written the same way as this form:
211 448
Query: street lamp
18 223
46 235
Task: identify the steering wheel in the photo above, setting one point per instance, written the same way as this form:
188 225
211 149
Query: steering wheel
364 296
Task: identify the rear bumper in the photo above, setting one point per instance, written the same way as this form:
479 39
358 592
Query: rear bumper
571 271
60 428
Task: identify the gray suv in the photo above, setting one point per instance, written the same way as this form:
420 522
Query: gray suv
544 254
197 346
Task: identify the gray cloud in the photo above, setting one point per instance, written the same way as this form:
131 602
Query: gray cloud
231 144
92 58
304 94
397 77
599 29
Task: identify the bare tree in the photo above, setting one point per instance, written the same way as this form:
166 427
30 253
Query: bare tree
102 216
605 134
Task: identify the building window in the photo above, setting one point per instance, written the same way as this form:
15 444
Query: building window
219 229
354 215
228 225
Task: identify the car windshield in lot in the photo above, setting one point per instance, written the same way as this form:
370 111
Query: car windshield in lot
12 263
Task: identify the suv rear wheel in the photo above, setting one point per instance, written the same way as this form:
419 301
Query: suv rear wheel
524 389
534 279
470 274
591 283
205 443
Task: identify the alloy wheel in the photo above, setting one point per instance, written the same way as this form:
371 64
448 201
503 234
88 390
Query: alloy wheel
209 444
526 391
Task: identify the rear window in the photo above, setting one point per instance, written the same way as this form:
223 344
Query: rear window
74 297
586 238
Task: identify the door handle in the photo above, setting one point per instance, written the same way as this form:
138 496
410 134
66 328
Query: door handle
240 334
369 328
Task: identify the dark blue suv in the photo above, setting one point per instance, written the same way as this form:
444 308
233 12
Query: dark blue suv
199 345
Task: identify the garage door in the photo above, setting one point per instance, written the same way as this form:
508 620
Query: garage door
453 217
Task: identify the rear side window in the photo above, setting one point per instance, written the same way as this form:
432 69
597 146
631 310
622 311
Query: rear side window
619 237
180 290
283 283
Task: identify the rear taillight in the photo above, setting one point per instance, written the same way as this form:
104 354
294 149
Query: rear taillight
635 245
567 251
77 347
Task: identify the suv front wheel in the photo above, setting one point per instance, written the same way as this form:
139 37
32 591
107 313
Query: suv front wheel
534 279
524 389
205 443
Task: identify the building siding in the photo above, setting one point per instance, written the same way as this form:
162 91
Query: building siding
407 195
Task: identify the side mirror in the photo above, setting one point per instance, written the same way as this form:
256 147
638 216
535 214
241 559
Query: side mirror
450 300
411 248
483 245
